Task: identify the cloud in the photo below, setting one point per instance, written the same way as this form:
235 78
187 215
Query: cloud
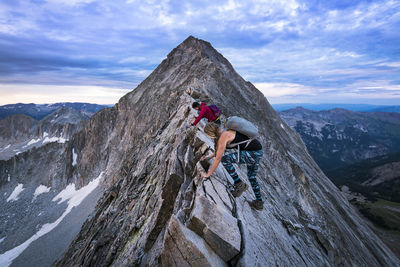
364 16
39 93
376 92
272 90
389 64
378 85
287 47
70 2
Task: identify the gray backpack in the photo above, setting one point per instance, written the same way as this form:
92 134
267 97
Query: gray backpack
242 126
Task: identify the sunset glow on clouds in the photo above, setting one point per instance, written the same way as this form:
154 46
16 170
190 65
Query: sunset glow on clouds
293 51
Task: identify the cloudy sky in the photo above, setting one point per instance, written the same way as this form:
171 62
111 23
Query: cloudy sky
294 51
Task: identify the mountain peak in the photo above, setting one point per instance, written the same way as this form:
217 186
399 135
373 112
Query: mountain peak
300 108
193 47
195 65
65 115
192 41
150 157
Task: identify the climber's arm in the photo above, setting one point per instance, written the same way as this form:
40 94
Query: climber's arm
223 140
201 115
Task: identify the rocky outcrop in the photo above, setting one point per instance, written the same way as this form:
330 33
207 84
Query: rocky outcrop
63 122
156 210
16 127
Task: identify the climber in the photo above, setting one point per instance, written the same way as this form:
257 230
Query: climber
250 154
211 112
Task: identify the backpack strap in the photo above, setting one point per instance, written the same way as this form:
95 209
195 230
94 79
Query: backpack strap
219 118
247 142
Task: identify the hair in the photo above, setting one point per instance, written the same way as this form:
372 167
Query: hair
212 130
196 105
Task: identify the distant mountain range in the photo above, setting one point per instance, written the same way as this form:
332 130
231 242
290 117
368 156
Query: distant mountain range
386 109
355 150
339 137
20 133
352 107
39 111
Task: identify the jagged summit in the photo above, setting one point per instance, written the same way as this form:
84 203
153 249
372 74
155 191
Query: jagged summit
193 47
156 210
196 65
193 44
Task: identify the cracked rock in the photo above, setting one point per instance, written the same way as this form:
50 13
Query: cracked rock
218 228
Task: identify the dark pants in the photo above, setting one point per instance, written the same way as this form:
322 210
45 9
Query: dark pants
252 160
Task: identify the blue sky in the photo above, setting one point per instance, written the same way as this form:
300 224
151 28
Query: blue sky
293 51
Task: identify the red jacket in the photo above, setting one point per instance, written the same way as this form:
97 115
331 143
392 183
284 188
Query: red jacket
205 112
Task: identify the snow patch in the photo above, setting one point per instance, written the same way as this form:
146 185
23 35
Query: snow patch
9 178
67 193
6 147
74 157
45 134
14 195
282 126
33 141
318 125
360 127
2 239
40 190
75 199
54 139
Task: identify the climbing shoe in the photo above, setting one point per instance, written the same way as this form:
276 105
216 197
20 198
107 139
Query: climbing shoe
239 188
257 204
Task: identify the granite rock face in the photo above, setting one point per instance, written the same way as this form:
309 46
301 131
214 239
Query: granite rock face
156 210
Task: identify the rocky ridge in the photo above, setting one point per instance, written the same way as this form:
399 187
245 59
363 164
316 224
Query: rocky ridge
157 211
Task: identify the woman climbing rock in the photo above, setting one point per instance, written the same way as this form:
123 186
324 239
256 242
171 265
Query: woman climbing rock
249 152
211 112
